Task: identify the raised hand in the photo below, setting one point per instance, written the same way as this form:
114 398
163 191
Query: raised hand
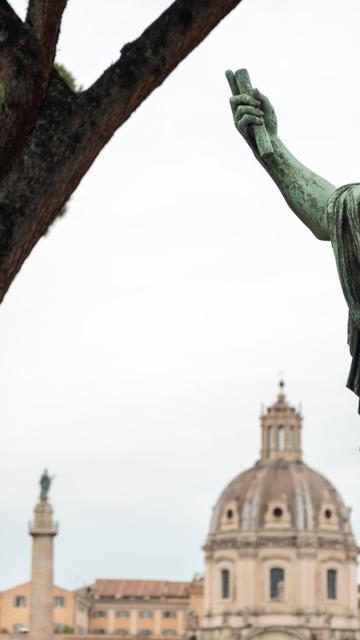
248 106
251 110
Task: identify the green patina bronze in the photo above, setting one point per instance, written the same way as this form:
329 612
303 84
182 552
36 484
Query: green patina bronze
331 214
45 484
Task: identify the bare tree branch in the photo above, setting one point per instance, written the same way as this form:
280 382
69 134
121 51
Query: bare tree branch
145 63
25 66
44 17
71 128
21 73
7 8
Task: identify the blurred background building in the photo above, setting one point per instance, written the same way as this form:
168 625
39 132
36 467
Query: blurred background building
280 560
280 556
127 608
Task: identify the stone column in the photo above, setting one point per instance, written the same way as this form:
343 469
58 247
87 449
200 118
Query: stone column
42 530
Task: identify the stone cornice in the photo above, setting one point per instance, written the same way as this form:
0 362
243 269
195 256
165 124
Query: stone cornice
301 541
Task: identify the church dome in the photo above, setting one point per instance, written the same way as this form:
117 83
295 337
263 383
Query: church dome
280 490
280 554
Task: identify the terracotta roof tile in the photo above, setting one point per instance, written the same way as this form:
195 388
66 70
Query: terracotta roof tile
139 589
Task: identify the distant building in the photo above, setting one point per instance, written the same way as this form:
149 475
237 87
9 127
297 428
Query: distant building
71 610
127 608
140 608
280 554
280 562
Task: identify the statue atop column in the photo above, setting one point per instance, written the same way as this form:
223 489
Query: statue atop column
45 484
331 214
43 531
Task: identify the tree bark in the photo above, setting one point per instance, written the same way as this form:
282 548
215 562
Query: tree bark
44 18
55 134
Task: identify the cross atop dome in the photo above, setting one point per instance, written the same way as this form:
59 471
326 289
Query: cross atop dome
281 430
281 398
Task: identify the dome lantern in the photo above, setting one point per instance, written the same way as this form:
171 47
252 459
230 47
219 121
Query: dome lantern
281 428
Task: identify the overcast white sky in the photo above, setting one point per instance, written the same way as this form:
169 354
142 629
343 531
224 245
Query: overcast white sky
144 331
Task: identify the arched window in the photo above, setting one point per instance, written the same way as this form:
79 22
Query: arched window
277 577
269 437
281 437
225 583
292 443
331 584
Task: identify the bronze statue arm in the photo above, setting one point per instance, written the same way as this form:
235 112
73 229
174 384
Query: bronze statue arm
306 193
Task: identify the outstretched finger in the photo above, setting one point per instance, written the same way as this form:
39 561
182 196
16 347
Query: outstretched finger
232 82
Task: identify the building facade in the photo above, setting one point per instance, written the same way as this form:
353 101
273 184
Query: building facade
280 554
70 610
140 608
129 608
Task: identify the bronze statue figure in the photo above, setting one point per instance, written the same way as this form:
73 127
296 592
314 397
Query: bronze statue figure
331 214
45 484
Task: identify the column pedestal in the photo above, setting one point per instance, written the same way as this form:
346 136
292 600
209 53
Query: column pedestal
42 531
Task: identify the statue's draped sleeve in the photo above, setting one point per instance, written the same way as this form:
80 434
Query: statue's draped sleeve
344 228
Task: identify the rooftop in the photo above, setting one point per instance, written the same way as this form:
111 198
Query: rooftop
139 589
